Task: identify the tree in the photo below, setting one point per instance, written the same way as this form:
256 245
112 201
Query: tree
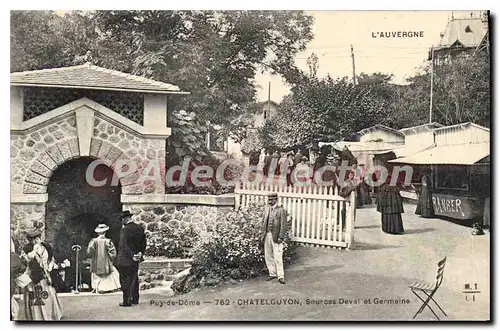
214 55
461 93
323 110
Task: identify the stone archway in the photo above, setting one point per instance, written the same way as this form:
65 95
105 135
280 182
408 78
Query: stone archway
80 129
70 196
74 208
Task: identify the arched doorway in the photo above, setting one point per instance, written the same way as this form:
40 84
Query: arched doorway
75 207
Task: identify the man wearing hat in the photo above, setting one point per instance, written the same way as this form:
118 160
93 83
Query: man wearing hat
274 230
102 252
130 251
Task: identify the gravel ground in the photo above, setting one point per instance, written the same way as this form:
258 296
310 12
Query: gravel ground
351 283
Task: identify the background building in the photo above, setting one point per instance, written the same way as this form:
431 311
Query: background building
462 37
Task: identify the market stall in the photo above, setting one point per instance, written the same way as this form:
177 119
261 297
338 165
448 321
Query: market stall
461 177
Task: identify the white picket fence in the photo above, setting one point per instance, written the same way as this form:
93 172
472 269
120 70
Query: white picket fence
315 211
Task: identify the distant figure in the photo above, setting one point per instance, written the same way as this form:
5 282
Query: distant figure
363 193
390 205
275 163
267 163
17 269
320 161
301 171
289 168
298 157
262 159
274 229
347 188
130 251
102 251
330 175
282 165
425 207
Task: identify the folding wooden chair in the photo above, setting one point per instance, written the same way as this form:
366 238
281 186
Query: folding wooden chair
429 290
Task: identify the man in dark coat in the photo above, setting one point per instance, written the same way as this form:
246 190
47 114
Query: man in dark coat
274 229
130 251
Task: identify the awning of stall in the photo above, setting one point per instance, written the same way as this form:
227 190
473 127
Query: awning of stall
364 152
375 147
411 150
461 154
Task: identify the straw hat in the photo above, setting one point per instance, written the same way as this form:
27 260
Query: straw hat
272 195
101 228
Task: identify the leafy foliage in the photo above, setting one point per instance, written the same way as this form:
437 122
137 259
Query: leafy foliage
171 243
329 109
252 143
232 170
188 137
234 249
322 110
461 93
214 55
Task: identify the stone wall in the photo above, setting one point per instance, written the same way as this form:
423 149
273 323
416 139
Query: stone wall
180 217
155 217
36 154
24 217
111 144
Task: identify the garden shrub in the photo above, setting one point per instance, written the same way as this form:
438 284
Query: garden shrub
171 243
231 172
234 250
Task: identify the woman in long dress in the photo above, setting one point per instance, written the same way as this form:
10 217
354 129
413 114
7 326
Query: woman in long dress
390 205
102 251
40 298
425 207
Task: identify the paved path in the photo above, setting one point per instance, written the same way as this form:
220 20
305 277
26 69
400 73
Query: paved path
381 266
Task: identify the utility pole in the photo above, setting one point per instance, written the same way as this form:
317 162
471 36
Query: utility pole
266 112
353 66
432 84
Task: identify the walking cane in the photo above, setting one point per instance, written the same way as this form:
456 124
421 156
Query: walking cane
76 248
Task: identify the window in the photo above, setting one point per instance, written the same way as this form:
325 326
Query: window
452 177
480 179
468 29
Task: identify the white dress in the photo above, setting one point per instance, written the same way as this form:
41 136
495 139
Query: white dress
104 276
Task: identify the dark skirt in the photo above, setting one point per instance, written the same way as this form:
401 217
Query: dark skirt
392 223
364 195
425 207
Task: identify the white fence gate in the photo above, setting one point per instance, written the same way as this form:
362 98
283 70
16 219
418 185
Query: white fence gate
315 211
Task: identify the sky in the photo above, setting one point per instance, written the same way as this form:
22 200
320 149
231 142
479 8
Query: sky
335 31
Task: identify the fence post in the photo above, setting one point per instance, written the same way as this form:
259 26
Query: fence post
350 221
237 196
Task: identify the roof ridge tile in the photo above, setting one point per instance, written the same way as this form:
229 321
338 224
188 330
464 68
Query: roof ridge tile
18 73
154 85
